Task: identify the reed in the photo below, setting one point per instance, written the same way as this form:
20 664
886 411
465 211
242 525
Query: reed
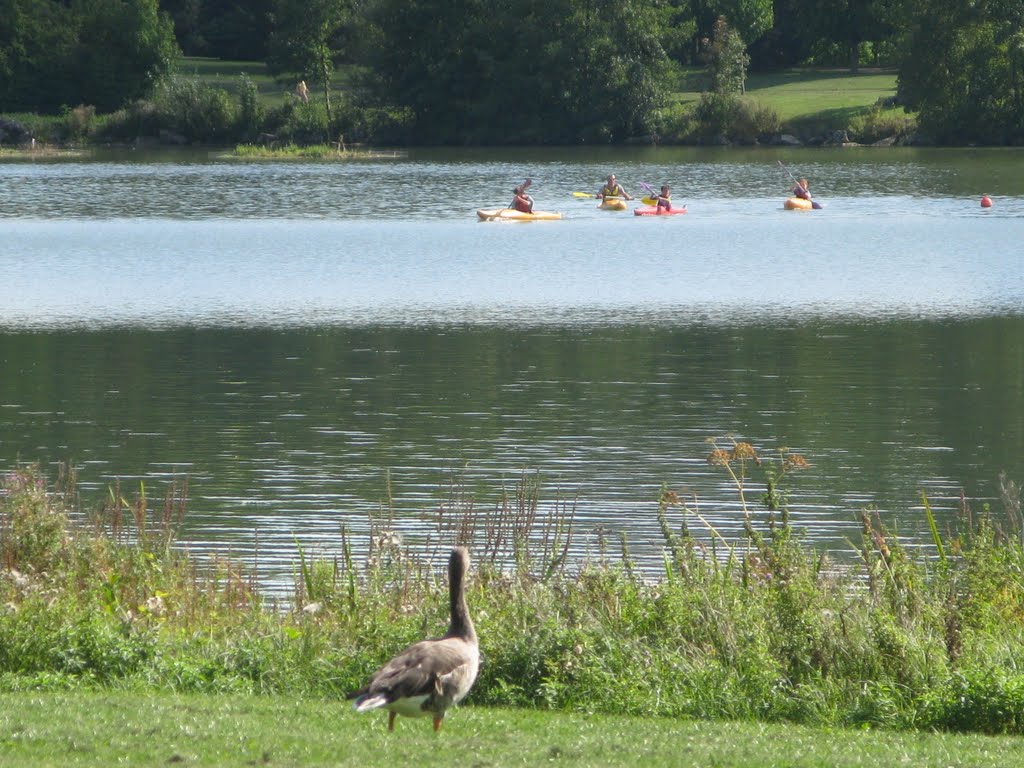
760 626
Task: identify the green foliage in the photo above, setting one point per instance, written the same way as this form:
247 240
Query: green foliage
965 70
760 627
559 71
297 123
750 18
99 52
251 111
725 117
845 32
727 60
79 122
306 41
199 113
32 531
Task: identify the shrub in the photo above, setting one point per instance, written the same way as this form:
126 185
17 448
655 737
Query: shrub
79 122
250 112
880 123
196 111
725 117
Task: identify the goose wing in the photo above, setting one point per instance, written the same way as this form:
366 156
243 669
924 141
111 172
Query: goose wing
423 669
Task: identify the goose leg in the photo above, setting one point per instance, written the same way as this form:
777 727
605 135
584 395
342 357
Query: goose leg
391 721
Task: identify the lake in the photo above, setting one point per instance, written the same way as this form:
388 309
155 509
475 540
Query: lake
324 344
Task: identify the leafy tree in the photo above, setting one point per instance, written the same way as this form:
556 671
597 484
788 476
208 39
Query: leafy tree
964 71
100 52
847 24
224 29
35 44
237 29
727 60
749 18
306 40
124 47
532 71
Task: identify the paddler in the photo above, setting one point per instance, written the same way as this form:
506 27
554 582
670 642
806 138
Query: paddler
802 190
522 201
612 188
664 199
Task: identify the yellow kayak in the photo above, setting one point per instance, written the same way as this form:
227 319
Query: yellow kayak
613 204
511 214
797 204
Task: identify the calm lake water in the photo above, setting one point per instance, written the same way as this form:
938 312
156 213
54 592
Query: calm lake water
311 343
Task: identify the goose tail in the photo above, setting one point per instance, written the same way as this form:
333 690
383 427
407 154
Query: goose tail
366 703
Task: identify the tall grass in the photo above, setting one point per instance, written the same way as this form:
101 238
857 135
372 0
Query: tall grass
757 627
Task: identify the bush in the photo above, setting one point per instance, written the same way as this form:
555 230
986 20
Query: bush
196 111
79 122
250 112
724 117
881 123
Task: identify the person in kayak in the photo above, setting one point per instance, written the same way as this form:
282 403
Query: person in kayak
664 199
612 189
522 201
802 190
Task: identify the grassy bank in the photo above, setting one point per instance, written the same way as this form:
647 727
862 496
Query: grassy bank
760 628
157 728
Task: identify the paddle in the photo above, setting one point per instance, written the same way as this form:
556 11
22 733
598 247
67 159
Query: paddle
583 194
653 199
814 203
496 214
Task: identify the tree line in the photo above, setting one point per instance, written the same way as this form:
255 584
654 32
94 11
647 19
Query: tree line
523 71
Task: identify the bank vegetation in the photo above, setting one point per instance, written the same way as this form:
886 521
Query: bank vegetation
763 627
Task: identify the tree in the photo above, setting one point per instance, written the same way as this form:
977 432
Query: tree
306 40
964 71
124 47
749 18
36 42
727 60
100 52
518 71
848 24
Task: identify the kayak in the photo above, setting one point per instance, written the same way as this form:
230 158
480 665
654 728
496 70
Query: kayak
613 204
797 204
651 210
511 214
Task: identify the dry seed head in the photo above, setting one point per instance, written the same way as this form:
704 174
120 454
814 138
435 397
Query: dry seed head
718 457
744 451
796 461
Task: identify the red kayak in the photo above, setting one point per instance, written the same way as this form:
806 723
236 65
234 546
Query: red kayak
652 210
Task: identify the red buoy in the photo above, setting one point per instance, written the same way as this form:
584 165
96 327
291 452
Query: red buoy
986 201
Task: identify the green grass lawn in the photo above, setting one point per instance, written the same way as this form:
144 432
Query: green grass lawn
227 76
110 728
806 96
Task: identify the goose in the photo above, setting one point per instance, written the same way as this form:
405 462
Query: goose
430 676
